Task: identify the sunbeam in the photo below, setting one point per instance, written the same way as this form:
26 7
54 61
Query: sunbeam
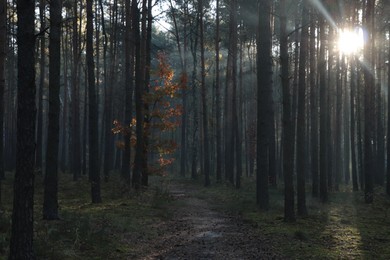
322 9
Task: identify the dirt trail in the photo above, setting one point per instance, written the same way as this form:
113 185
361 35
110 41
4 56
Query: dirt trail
196 231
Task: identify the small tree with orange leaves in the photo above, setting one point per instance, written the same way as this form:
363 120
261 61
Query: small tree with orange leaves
164 115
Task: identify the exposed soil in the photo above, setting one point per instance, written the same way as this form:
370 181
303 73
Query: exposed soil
196 231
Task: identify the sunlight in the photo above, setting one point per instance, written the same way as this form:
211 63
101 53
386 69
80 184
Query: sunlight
350 42
322 9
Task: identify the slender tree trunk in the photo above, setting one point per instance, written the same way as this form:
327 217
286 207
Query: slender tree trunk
388 124
288 131
21 244
50 199
139 77
129 67
204 99
42 66
218 95
369 105
301 126
93 112
323 115
76 147
355 184
264 106
313 106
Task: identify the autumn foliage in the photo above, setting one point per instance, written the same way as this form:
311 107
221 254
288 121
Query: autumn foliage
164 117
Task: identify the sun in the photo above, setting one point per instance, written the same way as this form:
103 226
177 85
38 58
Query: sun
350 41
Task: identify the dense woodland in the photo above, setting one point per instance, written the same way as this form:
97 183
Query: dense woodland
293 95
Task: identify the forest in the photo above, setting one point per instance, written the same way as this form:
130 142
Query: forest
194 129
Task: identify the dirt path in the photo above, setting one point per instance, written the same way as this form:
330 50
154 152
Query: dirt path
196 231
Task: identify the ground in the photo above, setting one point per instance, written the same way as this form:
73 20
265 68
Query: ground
196 231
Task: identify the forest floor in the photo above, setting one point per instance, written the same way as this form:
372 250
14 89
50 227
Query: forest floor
178 218
197 231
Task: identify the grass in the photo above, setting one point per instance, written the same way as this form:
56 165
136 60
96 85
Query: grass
344 228
119 228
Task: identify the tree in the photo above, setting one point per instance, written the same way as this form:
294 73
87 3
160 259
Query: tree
323 114
21 245
264 97
218 95
76 147
369 96
92 112
388 123
206 156
3 44
288 133
129 66
50 202
301 126
313 106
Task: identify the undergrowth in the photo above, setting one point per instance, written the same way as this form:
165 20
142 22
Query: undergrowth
119 228
344 228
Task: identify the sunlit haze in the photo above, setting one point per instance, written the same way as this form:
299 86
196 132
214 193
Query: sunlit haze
350 42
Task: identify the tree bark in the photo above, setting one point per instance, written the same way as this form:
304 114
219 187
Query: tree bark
288 131
313 106
323 115
264 99
50 199
21 244
369 105
301 126
93 112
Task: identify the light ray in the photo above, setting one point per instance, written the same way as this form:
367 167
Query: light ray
322 9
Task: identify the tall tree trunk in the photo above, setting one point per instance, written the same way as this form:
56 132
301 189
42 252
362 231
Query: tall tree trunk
264 106
323 115
369 91
42 66
21 244
218 95
139 77
206 154
93 112
76 147
288 131
388 124
195 138
301 126
230 105
129 67
355 184
313 106
50 199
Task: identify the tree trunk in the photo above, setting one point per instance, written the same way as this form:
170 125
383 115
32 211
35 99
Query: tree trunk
50 199
369 89
301 126
323 115
139 77
129 72
93 112
76 147
218 95
264 99
313 106
42 66
204 99
21 242
355 184
288 133
388 124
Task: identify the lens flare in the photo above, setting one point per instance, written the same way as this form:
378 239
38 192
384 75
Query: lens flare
350 41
